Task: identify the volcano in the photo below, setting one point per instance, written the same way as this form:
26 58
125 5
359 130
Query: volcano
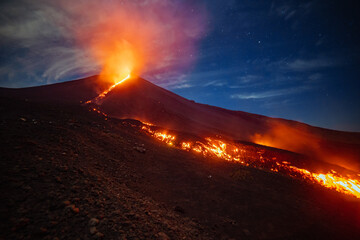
113 154
142 100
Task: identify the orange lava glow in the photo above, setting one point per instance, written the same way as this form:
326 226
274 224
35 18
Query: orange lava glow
333 180
304 140
130 36
104 93
245 155
162 136
231 152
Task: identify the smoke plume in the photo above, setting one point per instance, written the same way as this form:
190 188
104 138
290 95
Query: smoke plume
59 40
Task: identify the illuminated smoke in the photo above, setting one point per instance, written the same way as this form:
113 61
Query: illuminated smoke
315 144
66 38
135 36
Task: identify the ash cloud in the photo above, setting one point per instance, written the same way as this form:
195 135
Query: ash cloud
52 41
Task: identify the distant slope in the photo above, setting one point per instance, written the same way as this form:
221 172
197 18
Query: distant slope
142 100
65 92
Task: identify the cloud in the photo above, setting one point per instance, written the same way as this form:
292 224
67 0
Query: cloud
215 83
302 65
174 79
249 78
68 62
315 77
295 12
271 93
248 81
51 41
290 15
181 86
305 65
288 9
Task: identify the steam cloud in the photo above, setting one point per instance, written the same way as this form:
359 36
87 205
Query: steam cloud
49 41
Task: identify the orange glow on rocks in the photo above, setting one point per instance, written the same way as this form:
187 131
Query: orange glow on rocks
102 95
300 139
244 155
248 156
162 136
229 151
333 180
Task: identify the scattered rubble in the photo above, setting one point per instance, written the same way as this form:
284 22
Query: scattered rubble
140 149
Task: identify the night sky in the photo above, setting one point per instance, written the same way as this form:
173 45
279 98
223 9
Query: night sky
297 60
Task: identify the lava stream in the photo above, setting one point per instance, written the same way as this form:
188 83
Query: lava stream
102 95
232 152
243 155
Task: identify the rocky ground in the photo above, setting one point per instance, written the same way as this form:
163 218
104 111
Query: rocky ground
67 173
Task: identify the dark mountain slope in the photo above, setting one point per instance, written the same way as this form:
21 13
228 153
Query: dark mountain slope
142 100
139 99
67 92
61 166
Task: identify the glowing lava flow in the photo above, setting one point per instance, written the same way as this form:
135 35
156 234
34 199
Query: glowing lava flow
104 93
333 180
247 156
